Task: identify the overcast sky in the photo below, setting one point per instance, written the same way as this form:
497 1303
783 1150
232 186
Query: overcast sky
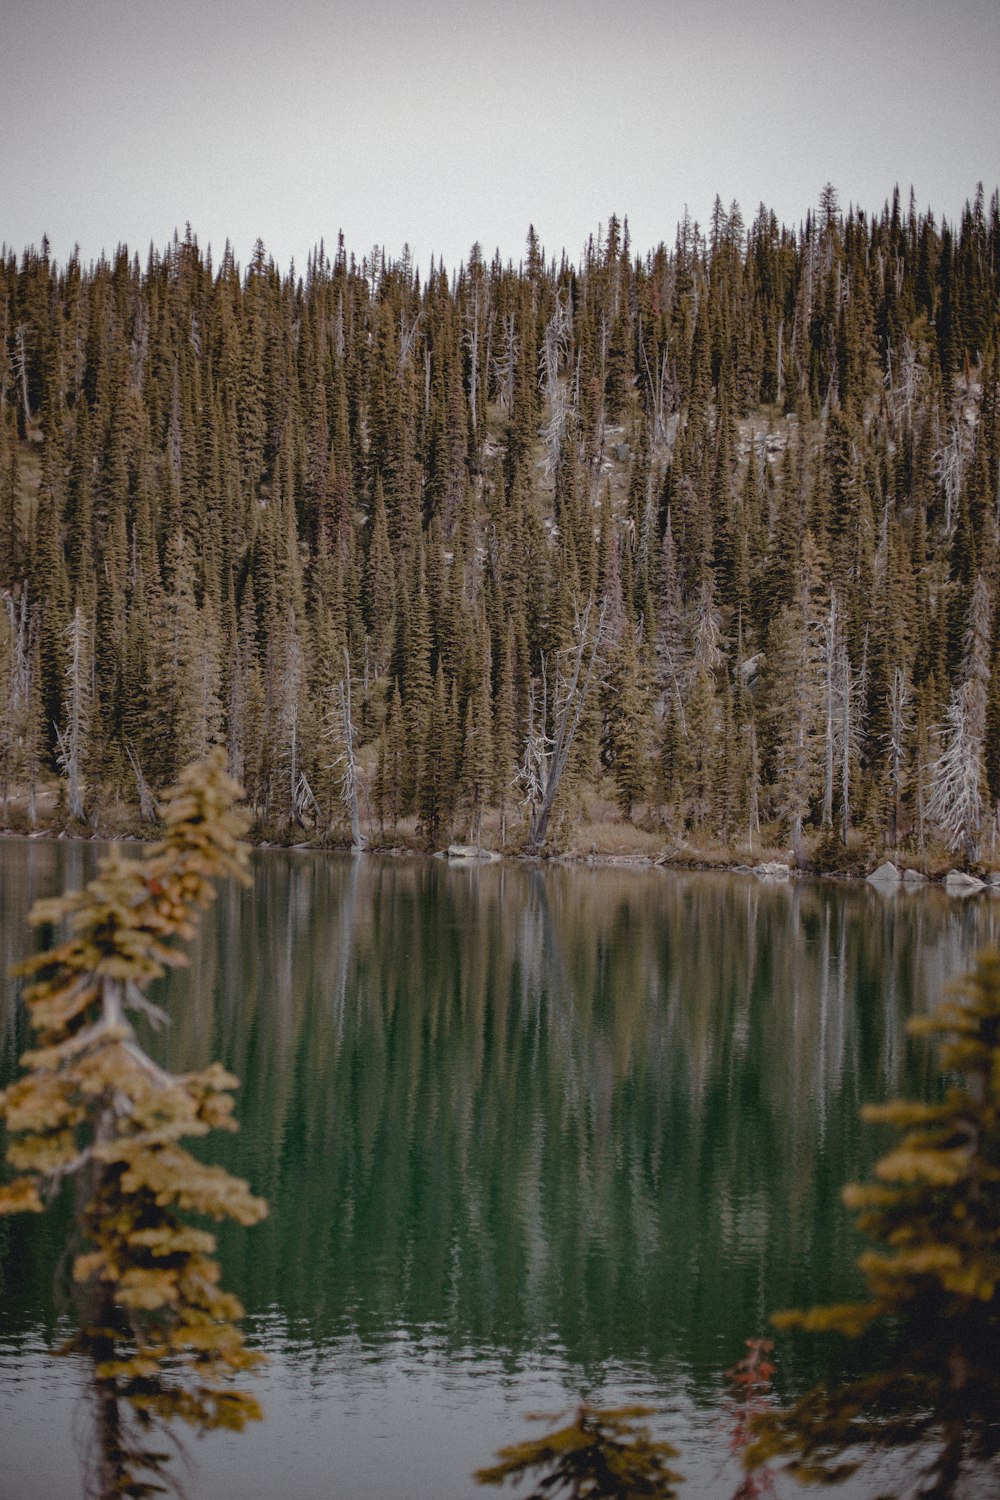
436 123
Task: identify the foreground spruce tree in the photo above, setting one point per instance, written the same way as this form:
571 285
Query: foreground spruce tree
929 1329
159 1334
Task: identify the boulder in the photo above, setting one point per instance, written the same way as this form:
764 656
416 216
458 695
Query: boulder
773 869
958 883
886 877
914 877
471 853
750 668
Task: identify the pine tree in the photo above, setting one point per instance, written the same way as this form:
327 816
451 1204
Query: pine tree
504 731
436 786
391 770
794 673
477 760
628 730
601 1455
929 1328
246 702
379 590
318 442
159 1334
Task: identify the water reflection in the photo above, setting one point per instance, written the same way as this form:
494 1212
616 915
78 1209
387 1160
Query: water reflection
596 1115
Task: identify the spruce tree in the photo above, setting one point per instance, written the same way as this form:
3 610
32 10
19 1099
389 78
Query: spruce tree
929 1327
91 1105
601 1455
628 731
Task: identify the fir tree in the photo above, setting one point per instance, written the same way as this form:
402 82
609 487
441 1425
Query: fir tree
601 1455
92 1106
929 1328
628 730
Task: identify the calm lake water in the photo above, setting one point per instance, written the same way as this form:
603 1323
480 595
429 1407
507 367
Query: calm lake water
526 1134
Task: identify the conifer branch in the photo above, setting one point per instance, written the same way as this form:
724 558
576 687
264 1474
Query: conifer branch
92 1104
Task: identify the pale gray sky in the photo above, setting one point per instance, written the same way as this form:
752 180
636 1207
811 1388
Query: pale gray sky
437 122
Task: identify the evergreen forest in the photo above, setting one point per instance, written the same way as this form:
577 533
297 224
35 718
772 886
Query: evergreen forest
706 535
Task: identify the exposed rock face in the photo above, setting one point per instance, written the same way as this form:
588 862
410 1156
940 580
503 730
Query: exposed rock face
886 877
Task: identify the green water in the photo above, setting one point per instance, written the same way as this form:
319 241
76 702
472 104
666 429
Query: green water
524 1132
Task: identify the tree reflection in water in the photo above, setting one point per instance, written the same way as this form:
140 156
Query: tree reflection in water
514 1113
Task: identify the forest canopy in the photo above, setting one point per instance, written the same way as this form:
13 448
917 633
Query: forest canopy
232 498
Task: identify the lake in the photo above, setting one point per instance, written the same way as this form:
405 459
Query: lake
526 1133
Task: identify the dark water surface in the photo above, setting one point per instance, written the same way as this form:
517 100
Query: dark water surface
525 1133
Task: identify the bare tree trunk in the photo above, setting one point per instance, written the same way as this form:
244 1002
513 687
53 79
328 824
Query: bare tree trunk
21 364
147 802
473 340
350 780
898 700
71 741
847 735
830 642
548 760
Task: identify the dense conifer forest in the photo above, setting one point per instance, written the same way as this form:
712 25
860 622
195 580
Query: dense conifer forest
708 533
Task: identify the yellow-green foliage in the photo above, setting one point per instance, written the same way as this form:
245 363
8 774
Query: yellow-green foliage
929 1326
599 1455
92 1105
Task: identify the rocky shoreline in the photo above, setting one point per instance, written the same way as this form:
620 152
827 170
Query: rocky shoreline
887 878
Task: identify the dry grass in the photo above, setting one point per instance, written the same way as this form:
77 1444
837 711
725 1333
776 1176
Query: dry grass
613 838
588 827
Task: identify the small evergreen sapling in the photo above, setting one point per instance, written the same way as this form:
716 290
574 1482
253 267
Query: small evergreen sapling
91 1105
601 1455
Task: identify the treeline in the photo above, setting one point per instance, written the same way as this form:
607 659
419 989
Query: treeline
768 456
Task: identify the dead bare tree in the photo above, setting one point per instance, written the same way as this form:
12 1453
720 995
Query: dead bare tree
407 339
852 690
147 802
843 693
903 385
72 736
21 374
949 467
339 726
555 346
900 725
473 318
547 750
505 361
292 669
958 797
831 648
664 395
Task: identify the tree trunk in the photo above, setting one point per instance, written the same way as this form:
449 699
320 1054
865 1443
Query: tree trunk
358 840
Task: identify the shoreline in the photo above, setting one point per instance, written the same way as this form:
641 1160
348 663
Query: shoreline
769 871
